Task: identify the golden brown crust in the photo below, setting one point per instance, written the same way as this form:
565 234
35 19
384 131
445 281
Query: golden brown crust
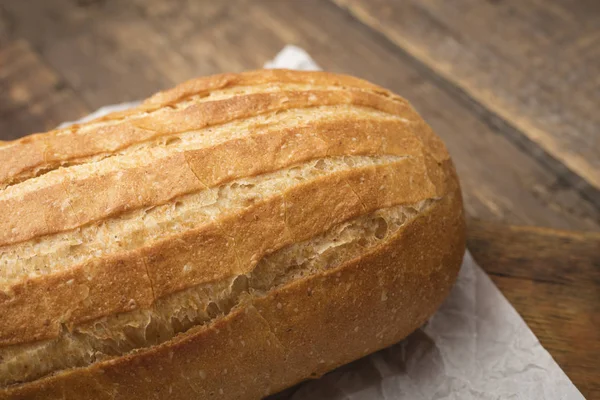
301 212
209 136
47 210
119 130
294 332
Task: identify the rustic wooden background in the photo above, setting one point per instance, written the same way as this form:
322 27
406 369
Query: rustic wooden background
512 86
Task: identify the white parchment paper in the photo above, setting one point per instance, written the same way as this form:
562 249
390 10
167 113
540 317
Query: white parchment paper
476 346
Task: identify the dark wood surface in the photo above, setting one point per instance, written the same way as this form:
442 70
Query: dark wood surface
533 63
511 86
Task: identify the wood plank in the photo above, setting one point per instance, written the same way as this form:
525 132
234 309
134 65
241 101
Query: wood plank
560 257
552 278
32 97
531 62
105 60
125 44
138 47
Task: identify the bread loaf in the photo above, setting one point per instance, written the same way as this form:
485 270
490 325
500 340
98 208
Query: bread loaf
226 239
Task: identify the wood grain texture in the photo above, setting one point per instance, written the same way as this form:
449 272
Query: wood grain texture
33 97
552 278
532 63
140 46
105 60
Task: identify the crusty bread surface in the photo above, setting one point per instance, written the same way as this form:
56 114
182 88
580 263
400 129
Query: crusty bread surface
227 238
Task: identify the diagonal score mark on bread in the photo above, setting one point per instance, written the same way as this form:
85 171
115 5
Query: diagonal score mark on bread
304 135
199 305
76 144
72 145
124 233
317 194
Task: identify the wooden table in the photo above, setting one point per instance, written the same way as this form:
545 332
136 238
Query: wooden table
512 86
